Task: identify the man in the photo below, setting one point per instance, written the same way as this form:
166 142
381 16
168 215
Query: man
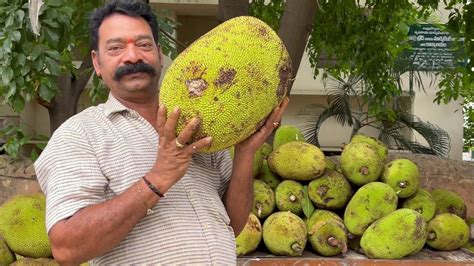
121 187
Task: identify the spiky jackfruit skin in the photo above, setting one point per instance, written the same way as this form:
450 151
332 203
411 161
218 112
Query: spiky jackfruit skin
331 191
449 202
6 255
263 199
35 262
421 202
322 215
231 79
285 134
284 233
289 195
249 238
403 176
394 236
330 165
381 148
22 224
447 232
360 163
370 203
297 160
267 176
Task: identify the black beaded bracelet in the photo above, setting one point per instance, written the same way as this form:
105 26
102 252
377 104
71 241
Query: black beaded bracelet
153 188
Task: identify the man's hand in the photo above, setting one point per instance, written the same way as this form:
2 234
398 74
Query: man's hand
173 154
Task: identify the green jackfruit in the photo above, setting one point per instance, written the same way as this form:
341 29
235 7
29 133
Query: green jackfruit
360 163
297 160
447 232
327 233
370 203
35 262
449 202
381 148
6 255
265 149
421 202
22 224
403 176
249 238
331 191
267 176
284 233
231 78
289 195
394 236
285 134
263 199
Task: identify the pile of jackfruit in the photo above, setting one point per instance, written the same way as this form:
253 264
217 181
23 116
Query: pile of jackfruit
304 201
23 237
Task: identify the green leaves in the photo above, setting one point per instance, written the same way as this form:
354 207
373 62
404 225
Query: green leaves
307 204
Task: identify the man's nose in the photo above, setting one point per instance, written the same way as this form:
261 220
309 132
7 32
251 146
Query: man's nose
131 55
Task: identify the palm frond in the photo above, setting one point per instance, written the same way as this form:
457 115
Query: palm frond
437 138
311 129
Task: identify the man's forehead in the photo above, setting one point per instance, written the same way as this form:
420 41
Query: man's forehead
119 25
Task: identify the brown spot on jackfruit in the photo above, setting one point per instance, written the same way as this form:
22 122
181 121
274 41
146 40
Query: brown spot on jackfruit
419 229
225 78
285 74
196 87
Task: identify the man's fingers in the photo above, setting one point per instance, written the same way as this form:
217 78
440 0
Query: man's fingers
170 125
161 120
198 145
188 131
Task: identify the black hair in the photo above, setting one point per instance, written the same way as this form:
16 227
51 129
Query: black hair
130 8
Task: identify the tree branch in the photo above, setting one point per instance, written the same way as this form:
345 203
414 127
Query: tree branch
232 8
295 26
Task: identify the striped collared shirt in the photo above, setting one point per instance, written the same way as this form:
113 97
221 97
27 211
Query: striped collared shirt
102 151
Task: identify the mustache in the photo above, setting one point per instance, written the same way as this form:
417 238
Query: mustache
139 67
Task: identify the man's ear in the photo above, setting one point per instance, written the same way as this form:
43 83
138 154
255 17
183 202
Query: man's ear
160 55
95 62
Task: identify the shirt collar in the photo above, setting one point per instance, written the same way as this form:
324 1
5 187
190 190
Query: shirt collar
113 106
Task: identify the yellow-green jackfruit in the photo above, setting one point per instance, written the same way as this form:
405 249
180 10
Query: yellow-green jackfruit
297 160
247 241
396 235
284 233
22 224
231 79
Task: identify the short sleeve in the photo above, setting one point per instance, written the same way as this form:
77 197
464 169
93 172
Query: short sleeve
69 174
224 164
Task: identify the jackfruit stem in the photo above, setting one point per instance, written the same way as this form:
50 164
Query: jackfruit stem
259 209
402 184
364 170
432 235
296 248
332 241
292 198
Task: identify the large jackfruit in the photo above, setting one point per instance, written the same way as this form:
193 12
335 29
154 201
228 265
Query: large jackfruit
231 79
22 224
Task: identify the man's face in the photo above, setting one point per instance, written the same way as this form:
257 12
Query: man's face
127 59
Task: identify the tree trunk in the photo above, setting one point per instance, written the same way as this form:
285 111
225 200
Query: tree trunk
232 8
295 26
64 104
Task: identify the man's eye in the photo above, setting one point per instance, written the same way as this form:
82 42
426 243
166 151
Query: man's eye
145 45
114 48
